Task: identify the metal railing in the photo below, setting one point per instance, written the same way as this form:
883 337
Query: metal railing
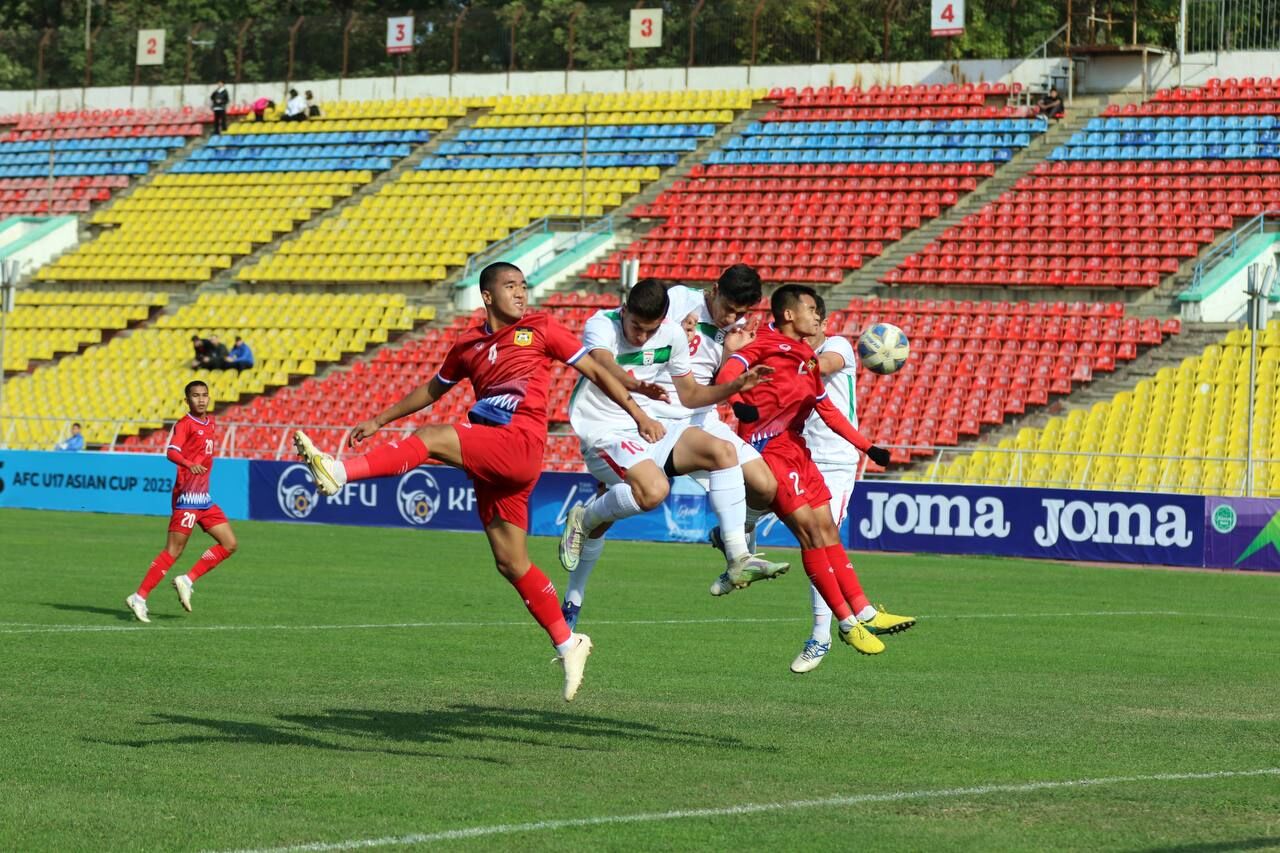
1267 222
1218 26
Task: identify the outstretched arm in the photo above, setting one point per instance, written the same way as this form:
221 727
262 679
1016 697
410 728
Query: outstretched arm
840 425
694 395
600 375
415 401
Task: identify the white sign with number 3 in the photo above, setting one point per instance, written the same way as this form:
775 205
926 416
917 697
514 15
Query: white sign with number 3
948 18
400 34
646 28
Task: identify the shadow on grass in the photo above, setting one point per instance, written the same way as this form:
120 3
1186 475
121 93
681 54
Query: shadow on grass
504 725
1270 843
120 613
396 732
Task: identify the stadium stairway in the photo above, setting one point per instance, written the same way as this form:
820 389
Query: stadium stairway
228 278
627 230
1190 342
866 281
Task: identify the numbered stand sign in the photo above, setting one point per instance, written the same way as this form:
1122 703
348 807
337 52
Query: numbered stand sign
150 47
646 28
948 17
400 34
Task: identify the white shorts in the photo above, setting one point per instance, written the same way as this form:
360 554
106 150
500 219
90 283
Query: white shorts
840 480
608 457
710 423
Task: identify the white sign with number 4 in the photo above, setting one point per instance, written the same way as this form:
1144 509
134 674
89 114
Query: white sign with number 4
948 18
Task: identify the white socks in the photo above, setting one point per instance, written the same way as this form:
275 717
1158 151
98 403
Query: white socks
563 648
591 551
866 614
617 503
821 616
728 497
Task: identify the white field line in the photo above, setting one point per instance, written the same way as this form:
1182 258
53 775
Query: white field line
755 808
116 629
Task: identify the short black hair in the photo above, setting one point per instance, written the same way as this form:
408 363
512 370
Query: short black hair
489 275
195 383
76 424
648 300
239 339
787 297
818 300
740 284
293 93
195 337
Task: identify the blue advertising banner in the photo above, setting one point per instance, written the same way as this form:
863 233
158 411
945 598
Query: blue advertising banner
1242 533
437 497
138 483
1122 527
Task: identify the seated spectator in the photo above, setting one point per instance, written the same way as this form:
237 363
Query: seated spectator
313 111
296 108
260 108
73 442
203 347
1050 104
218 356
240 357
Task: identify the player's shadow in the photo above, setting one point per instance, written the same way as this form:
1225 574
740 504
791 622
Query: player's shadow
119 613
529 726
211 731
1260 843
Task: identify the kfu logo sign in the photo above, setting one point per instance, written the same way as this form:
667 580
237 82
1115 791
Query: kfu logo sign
418 497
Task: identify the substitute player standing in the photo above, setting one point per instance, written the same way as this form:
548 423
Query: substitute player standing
838 366
780 409
508 360
191 444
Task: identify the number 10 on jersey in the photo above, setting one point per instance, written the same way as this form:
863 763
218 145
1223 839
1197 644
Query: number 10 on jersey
947 18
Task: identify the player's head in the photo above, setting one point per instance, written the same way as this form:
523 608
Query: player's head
735 293
817 337
197 394
796 305
504 291
644 311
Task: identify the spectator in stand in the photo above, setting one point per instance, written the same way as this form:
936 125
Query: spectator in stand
1050 104
203 347
296 108
240 357
218 357
313 111
73 442
218 101
260 108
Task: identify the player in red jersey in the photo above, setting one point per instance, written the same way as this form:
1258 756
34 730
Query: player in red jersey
508 359
191 444
772 418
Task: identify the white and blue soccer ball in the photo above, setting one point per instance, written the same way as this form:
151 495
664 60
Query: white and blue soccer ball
883 349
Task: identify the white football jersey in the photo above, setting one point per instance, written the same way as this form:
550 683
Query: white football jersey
666 354
706 350
842 388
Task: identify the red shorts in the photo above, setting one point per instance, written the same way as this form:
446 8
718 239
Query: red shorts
185 520
504 465
800 483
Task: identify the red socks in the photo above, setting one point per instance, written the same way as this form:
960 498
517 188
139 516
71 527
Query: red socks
155 573
208 560
847 578
817 565
539 595
387 460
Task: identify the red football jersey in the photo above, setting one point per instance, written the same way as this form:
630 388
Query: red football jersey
510 368
194 440
791 393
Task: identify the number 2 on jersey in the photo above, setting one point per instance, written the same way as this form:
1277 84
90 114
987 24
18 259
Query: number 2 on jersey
794 477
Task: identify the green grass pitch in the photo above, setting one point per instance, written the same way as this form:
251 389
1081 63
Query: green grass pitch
341 685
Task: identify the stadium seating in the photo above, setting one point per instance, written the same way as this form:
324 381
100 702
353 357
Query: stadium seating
94 153
134 382
244 188
825 181
1193 416
519 163
1122 203
47 324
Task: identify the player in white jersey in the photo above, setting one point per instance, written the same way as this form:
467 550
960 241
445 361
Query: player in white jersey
643 348
838 364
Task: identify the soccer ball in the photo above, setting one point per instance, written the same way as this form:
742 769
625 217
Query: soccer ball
883 348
